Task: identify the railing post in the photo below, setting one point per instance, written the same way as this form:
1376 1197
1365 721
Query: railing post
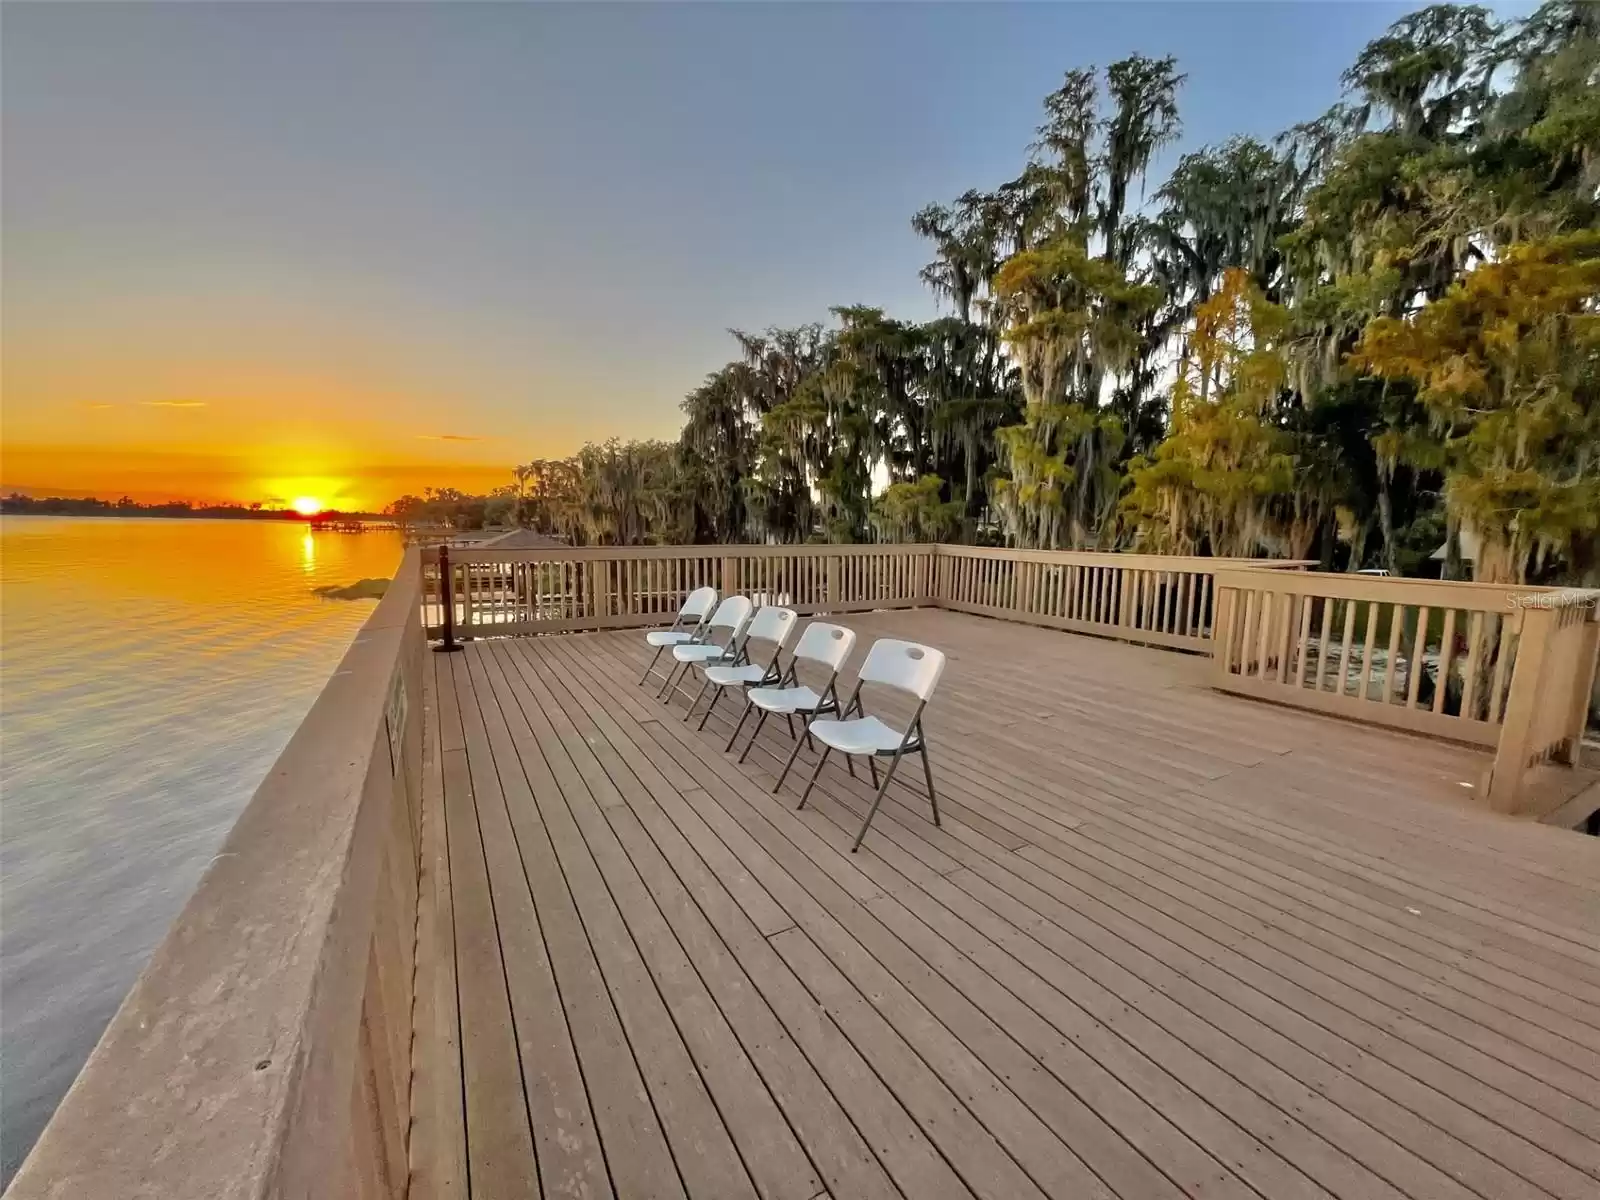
833 581
1538 625
730 577
447 603
1221 626
1583 692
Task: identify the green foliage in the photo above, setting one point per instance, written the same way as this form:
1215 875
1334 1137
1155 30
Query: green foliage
1507 365
914 512
1353 342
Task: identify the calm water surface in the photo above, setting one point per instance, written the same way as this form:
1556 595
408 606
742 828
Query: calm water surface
152 670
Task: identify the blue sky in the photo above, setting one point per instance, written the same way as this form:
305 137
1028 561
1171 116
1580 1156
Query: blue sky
344 229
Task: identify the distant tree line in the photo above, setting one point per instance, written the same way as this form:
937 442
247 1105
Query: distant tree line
62 506
1356 342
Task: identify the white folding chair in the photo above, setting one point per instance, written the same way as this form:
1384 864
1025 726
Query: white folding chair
732 615
696 608
770 624
907 667
824 645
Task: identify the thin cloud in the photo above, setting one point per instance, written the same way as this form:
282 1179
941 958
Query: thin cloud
103 405
448 437
174 403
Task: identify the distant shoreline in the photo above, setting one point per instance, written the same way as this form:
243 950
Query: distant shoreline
172 513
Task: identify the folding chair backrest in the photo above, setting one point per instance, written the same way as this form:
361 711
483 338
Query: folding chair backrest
908 666
699 604
827 644
772 624
732 614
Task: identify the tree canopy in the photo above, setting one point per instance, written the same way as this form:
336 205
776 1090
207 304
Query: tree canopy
1367 336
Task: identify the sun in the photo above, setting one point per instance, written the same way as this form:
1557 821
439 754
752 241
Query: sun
307 506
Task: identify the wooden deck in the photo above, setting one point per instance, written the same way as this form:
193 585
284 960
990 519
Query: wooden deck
1167 943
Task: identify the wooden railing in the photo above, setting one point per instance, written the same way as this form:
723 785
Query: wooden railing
1550 692
1494 665
1161 601
1469 662
1155 599
266 1048
500 592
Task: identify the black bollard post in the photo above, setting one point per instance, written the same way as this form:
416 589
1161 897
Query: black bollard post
447 602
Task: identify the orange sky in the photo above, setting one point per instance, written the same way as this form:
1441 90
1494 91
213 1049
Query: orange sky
197 427
216 451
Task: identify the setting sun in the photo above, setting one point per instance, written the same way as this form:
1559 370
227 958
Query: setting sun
307 506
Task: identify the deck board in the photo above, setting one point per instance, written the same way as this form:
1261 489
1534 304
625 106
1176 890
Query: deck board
1166 943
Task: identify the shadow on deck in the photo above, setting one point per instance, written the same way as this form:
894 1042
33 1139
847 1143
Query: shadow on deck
1166 943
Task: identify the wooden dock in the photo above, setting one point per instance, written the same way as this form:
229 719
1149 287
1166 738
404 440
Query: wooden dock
1167 943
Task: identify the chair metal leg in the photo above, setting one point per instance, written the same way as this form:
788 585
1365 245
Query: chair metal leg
754 734
734 736
927 773
872 765
850 765
810 745
676 668
688 712
706 716
876 800
652 665
826 750
784 774
789 717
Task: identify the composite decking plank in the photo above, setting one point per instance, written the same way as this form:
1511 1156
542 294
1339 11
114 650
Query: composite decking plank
972 1026
637 1158
1428 1087
1567 1031
1368 984
1165 941
1246 1152
1424 1100
1097 1143
438 1148
1573 1029
1546 1066
975 1149
1434 1180
910 1158
1180 824
500 1158
992 688
771 1154
702 1146
567 1145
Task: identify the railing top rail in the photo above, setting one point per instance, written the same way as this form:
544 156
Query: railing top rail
1106 558
1441 593
468 554
1123 558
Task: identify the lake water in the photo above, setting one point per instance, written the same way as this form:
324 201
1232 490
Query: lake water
150 671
